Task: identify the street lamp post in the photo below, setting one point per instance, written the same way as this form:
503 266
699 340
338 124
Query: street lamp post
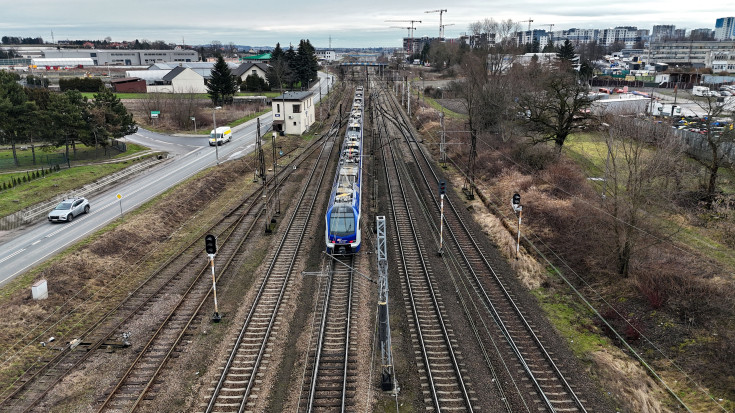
216 142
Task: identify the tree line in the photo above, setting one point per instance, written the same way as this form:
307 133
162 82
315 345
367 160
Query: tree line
21 40
37 115
290 69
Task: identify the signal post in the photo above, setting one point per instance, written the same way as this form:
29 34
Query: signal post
515 203
442 191
210 246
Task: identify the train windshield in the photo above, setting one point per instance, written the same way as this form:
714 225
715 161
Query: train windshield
342 221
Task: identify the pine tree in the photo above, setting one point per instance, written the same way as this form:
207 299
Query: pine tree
221 86
278 68
566 52
292 75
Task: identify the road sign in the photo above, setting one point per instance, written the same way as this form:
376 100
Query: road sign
155 112
119 196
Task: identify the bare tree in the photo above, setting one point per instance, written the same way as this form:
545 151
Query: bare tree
641 159
715 140
553 110
496 38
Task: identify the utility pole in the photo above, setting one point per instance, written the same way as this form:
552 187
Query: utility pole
442 191
469 188
441 26
443 143
276 192
387 379
260 171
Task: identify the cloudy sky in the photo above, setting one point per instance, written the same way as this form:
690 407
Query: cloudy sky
350 24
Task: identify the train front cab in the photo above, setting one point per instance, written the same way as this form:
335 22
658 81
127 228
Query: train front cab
343 233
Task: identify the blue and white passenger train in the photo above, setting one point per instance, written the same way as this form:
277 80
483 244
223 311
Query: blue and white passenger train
343 234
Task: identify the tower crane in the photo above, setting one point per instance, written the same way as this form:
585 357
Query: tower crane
529 21
551 26
441 26
410 31
442 29
408 34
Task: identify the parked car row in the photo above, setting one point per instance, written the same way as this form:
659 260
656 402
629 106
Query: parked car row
699 125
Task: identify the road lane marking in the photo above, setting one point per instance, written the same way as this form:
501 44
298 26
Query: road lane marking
12 255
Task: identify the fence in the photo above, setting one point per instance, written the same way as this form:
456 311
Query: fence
26 160
38 211
696 143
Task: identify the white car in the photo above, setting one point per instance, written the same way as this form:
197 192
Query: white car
68 209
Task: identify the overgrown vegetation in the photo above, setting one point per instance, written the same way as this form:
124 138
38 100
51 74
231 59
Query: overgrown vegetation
641 242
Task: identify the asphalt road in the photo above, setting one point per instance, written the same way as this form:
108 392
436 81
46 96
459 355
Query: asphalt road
30 246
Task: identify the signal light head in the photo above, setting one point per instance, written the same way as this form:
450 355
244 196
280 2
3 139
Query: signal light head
210 244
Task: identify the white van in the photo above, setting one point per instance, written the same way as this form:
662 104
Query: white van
221 136
700 91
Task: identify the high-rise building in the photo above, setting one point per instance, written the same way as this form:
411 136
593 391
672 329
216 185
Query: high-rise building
702 34
662 32
725 28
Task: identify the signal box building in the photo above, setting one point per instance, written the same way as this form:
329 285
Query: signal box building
293 112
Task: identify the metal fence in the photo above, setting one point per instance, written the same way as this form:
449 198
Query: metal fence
696 144
45 160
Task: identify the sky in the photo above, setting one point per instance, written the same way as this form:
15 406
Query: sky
349 24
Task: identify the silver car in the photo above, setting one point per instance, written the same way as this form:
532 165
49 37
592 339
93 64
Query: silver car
68 209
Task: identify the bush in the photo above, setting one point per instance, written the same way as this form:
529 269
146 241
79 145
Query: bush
537 157
82 84
254 83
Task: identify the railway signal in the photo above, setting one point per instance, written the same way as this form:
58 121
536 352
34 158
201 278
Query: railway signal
515 203
210 246
442 191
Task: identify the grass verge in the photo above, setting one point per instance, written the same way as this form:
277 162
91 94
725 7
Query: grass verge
448 113
42 189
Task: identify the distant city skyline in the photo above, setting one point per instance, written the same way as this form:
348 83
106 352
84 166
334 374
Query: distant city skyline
195 22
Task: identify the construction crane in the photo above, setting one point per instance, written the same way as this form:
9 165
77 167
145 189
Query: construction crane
441 26
551 26
529 21
442 29
401 27
410 31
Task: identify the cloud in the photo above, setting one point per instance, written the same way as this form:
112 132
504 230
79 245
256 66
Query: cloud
360 24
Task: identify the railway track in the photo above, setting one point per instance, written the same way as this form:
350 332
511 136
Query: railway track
329 379
501 314
440 365
235 389
183 274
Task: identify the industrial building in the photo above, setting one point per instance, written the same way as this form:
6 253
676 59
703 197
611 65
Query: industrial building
125 57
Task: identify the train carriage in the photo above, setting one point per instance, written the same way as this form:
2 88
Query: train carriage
343 234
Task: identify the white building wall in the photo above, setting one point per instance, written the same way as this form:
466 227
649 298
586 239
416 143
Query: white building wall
295 123
188 81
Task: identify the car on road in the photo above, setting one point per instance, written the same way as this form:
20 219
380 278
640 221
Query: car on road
69 209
